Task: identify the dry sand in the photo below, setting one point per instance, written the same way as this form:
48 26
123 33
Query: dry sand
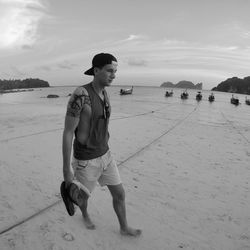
185 172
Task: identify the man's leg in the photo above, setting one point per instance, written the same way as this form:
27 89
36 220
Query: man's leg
81 199
83 204
118 195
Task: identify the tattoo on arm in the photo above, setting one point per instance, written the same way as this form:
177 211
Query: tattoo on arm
76 104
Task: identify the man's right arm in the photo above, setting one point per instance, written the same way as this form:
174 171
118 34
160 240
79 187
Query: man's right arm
68 134
72 118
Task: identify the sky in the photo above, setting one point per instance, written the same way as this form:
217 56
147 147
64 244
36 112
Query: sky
153 41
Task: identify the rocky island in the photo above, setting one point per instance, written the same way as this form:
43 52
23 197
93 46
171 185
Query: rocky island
234 85
182 84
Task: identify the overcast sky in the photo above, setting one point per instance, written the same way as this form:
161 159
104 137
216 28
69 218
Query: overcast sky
154 41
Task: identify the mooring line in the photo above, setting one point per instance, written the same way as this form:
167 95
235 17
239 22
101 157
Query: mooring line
132 116
235 128
28 135
159 137
29 217
120 163
57 129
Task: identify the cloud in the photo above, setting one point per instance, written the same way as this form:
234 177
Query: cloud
137 62
66 65
19 20
45 68
16 72
134 37
52 65
160 58
240 30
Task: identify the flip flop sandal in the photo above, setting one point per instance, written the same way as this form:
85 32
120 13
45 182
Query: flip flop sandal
67 200
74 192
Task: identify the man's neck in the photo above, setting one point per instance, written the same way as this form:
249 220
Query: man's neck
98 89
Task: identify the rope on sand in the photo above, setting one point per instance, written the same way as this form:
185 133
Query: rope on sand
120 163
58 129
28 135
29 218
159 137
235 128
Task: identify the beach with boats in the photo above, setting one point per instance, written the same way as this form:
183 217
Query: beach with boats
184 164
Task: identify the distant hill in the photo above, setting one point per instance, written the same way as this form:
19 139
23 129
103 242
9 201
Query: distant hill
168 85
182 84
22 84
234 85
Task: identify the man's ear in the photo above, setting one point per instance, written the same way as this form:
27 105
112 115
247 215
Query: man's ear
96 70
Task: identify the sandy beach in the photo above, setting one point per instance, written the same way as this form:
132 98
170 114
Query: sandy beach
185 171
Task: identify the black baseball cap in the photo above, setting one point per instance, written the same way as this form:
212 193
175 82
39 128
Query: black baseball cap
99 61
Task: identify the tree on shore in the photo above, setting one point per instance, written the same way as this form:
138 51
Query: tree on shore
235 85
22 84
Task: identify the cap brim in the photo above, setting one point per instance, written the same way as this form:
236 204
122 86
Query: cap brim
89 72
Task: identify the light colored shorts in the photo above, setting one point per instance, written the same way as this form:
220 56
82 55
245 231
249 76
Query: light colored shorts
102 169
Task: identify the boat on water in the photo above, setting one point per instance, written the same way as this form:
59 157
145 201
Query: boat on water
169 93
184 95
126 91
198 96
247 101
211 97
235 100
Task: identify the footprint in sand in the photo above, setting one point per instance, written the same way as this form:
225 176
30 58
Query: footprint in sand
68 237
12 243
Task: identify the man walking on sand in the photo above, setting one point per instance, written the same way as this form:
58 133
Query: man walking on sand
86 122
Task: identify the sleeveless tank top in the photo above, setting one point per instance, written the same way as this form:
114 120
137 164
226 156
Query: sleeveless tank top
97 142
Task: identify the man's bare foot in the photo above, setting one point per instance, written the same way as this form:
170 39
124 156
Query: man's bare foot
88 223
131 232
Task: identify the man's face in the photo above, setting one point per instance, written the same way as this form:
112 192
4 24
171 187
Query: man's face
106 74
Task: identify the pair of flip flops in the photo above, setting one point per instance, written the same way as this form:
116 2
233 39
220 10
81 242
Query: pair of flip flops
68 201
